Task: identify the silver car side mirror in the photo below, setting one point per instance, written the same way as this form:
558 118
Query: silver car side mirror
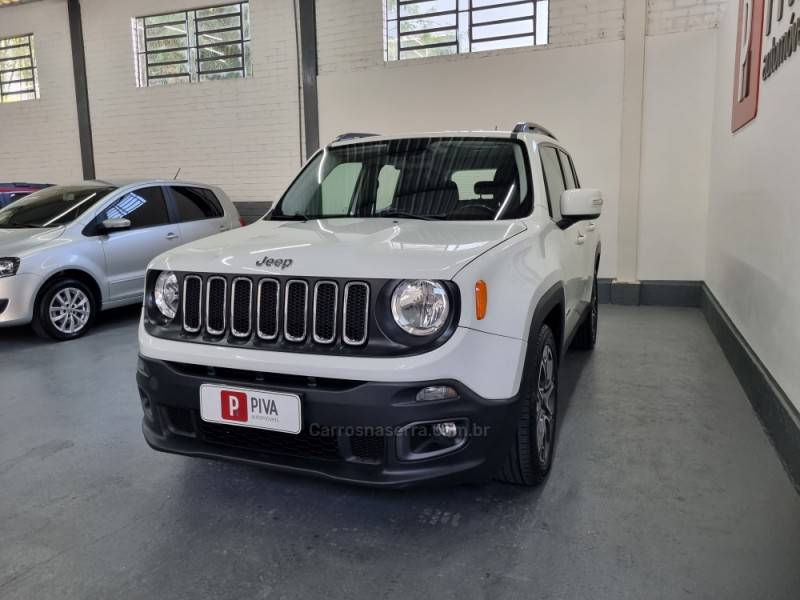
116 224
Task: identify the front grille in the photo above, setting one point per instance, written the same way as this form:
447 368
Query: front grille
303 444
268 310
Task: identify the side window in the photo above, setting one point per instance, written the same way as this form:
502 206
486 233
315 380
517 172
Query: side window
144 208
554 178
566 166
338 188
387 184
195 204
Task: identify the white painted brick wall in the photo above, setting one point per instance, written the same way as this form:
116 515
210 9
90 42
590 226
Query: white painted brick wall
241 134
350 32
674 16
40 137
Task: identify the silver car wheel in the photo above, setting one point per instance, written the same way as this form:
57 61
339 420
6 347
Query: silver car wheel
70 310
545 405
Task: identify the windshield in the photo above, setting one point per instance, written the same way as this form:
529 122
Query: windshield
428 178
52 206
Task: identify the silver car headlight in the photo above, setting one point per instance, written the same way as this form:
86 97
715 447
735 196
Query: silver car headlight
166 294
420 306
8 266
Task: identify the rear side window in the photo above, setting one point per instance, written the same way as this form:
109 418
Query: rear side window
145 207
196 204
554 178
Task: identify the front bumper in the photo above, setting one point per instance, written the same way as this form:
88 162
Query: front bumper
351 429
17 298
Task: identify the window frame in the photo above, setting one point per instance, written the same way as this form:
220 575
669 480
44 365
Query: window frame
172 201
464 25
193 47
550 203
33 68
529 199
169 207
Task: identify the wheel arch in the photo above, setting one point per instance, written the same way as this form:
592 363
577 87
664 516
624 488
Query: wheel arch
550 311
83 276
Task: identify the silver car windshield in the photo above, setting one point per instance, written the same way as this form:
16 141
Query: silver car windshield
474 179
52 206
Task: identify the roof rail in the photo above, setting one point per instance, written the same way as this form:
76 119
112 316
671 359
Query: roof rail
528 127
353 136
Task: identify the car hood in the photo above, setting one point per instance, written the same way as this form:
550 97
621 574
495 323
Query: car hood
21 242
347 248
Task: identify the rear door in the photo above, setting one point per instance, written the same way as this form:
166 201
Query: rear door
199 212
571 238
128 252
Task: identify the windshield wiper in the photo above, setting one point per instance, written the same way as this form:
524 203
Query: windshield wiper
405 215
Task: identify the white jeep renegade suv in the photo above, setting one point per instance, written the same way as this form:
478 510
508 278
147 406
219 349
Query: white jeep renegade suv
398 317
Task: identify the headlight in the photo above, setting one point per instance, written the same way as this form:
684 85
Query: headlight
165 294
8 266
420 307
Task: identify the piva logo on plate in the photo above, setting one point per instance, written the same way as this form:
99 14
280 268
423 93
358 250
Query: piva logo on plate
234 406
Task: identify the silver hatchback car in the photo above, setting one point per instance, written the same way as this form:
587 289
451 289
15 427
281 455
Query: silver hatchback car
68 252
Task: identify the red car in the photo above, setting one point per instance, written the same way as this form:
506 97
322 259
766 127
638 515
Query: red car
9 192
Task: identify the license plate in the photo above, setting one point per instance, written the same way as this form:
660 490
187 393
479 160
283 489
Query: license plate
250 408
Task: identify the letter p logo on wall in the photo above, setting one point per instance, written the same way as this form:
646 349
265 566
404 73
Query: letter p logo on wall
747 71
234 406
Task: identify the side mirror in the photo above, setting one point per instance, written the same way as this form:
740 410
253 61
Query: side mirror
581 204
110 225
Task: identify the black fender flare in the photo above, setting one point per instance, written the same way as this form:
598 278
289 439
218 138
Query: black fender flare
555 297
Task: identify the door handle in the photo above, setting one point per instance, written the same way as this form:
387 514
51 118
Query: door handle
172 235
223 228
590 226
580 240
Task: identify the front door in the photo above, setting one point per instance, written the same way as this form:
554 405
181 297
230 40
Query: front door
129 251
572 239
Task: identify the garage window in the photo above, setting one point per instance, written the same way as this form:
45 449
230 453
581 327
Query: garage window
193 45
19 79
423 28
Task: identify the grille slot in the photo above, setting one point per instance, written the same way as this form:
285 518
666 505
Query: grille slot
356 313
241 306
216 304
295 313
192 298
268 308
326 297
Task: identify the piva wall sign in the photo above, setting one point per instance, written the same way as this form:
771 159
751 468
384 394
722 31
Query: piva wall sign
781 24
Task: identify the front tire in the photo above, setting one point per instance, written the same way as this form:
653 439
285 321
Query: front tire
64 311
531 454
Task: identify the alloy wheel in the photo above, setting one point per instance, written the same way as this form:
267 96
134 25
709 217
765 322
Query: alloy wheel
545 405
70 310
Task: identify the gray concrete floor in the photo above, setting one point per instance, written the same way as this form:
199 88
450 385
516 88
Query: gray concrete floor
664 486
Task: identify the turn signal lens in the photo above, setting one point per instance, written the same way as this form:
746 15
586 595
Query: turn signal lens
436 392
481 299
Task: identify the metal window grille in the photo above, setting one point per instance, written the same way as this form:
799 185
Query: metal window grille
423 28
193 45
19 79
